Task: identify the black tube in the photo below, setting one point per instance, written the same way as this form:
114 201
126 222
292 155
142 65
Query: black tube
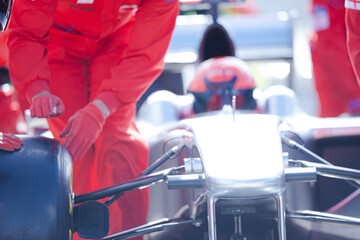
150 229
163 158
152 167
120 189
316 216
323 219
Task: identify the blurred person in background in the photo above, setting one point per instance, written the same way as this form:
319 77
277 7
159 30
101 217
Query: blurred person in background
334 77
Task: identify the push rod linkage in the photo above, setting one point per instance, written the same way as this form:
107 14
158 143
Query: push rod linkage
294 145
122 188
143 180
321 169
330 170
152 227
169 154
316 216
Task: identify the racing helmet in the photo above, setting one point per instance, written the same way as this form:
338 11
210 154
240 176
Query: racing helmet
215 42
217 80
5 11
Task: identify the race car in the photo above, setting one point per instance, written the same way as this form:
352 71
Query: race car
277 173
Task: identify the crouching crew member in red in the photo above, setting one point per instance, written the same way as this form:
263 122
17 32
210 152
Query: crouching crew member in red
82 65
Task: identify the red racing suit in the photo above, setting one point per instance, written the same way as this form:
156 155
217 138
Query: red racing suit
353 34
333 75
78 49
4 52
11 111
12 116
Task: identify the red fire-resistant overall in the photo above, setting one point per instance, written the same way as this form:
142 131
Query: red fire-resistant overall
334 78
4 52
12 115
95 46
353 33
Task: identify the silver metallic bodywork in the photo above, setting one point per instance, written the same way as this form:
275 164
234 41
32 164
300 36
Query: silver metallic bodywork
234 168
234 171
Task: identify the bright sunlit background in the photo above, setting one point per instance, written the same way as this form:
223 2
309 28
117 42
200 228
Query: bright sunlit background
303 81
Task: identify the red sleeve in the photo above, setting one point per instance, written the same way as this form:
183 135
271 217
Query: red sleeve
28 36
143 60
4 53
353 39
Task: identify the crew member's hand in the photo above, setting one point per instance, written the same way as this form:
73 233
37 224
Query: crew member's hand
46 105
9 142
82 129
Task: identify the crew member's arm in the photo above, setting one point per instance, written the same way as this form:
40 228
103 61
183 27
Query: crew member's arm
28 66
133 73
143 60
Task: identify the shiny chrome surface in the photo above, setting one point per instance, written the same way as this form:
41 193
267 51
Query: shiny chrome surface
242 156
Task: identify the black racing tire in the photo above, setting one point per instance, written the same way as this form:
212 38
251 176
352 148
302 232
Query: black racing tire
36 198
